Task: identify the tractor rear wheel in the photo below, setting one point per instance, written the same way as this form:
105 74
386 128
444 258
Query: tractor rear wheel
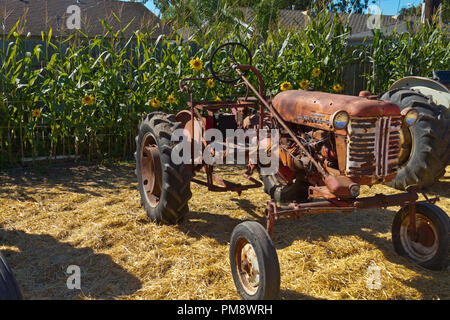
425 145
163 185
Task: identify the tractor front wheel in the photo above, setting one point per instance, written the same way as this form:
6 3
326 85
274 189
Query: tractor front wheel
430 246
254 262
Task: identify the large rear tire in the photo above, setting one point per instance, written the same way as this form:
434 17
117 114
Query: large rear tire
9 290
425 146
163 185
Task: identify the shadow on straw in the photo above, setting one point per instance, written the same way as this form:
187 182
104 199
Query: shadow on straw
40 265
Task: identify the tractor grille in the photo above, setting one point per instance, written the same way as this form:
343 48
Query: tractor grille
373 146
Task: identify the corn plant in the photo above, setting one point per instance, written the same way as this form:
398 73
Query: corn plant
416 52
86 96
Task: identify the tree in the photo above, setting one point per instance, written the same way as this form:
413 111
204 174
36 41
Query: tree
446 11
207 18
411 11
358 6
431 7
416 11
206 14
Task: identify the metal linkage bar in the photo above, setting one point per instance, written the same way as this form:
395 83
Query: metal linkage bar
224 185
274 211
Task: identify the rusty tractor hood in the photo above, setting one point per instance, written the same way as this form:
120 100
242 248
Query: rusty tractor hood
315 108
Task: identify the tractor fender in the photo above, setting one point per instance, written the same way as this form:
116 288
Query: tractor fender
438 93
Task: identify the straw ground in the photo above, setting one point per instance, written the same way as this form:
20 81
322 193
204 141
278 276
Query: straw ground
90 216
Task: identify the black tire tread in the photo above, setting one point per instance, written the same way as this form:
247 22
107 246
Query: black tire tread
255 233
176 178
442 222
431 139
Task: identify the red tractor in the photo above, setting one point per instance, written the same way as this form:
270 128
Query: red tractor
329 145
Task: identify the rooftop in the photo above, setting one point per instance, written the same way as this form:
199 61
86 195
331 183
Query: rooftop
41 15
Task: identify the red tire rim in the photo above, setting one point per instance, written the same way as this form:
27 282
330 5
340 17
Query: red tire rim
151 170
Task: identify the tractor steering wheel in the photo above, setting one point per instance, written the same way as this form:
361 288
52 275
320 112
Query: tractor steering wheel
225 58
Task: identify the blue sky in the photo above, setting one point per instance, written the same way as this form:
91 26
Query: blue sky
388 7
152 8
392 7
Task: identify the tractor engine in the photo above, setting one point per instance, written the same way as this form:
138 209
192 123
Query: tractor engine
319 143
355 137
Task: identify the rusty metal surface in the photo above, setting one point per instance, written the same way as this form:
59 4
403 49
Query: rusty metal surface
247 266
419 236
275 211
366 151
217 105
314 108
339 186
151 170
183 117
280 120
365 93
341 150
287 158
218 184
373 147
425 235
381 200
412 222
320 192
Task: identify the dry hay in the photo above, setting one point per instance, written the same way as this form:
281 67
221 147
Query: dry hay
90 216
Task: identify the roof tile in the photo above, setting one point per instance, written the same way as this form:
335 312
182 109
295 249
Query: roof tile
41 15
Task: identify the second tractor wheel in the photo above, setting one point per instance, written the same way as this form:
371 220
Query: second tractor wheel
254 262
425 146
430 247
163 185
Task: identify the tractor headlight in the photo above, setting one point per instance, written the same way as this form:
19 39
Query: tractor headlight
340 119
411 117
